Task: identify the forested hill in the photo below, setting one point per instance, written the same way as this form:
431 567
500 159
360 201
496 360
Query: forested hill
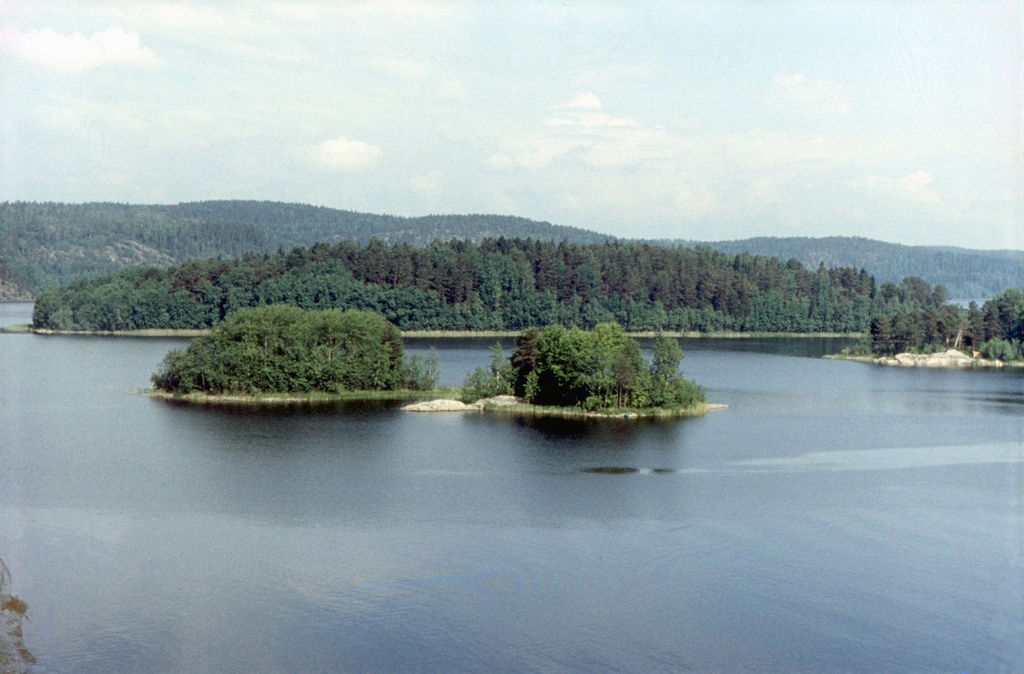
45 244
966 273
289 225
499 284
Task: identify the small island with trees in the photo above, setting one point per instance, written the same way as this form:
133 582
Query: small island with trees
597 372
284 353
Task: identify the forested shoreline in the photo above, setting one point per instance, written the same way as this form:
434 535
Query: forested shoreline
499 284
49 244
995 330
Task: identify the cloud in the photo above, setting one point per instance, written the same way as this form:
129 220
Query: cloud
913 186
391 10
427 184
581 133
342 154
813 97
585 101
591 120
76 52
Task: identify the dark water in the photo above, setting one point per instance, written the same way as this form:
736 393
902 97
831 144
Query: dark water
837 516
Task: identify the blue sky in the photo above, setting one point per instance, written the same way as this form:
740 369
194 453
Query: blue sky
899 121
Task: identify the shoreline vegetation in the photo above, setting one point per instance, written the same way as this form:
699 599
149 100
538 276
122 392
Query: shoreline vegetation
506 404
443 334
499 284
444 399
311 397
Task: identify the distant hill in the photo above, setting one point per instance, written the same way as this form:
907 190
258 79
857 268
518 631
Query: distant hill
44 244
300 225
966 273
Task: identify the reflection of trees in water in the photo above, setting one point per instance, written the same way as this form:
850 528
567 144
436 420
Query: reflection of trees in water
14 657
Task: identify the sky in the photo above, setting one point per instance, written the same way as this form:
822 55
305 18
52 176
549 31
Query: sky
898 121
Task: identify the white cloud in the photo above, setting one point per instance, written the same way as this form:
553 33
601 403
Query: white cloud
581 133
809 96
913 186
591 120
342 154
538 153
76 52
189 21
391 10
585 101
427 184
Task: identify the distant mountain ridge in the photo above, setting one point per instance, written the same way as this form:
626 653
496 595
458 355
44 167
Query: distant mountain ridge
43 244
966 273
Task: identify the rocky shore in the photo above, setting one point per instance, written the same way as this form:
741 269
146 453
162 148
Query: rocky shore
449 405
519 405
947 359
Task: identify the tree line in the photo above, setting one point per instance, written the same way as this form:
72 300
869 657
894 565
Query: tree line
498 284
995 329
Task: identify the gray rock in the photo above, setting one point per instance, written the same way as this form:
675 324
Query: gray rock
440 405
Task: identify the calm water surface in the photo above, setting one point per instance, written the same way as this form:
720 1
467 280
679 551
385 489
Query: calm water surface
837 516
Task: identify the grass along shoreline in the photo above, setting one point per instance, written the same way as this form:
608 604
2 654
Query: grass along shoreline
293 398
440 334
436 394
525 409
149 332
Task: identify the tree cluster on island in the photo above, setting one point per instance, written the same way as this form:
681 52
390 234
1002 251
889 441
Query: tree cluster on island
599 369
291 351
287 350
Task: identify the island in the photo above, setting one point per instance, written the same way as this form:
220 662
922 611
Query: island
574 372
281 353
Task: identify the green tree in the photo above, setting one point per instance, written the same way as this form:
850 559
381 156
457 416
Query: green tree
495 380
282 349
881 335
599 368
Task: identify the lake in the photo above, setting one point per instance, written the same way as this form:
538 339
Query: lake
836 516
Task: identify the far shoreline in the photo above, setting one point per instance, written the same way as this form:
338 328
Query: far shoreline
442 334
